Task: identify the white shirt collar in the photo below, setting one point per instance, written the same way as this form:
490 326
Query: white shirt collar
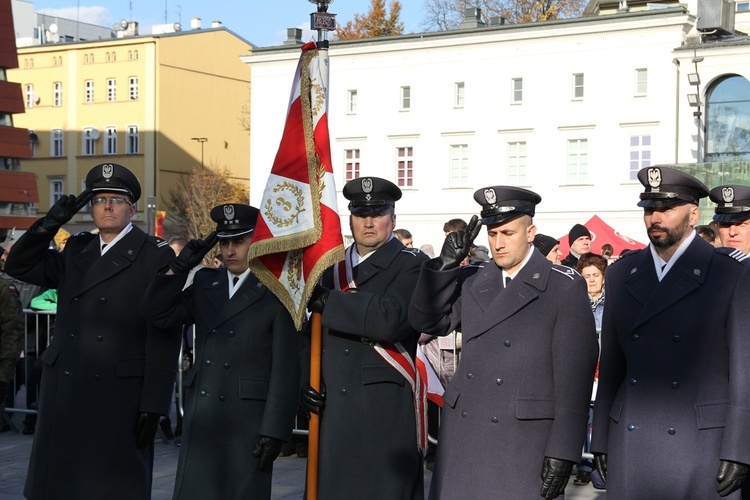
104 247
662 267
242 277
525 261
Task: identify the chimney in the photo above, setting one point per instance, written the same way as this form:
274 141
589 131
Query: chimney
472 18
293 36
195 23
216 24
497 21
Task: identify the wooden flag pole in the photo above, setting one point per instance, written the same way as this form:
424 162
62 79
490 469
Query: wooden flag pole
314 427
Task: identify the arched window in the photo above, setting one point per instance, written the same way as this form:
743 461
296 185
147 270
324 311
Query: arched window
108 57
85 59
114 56
59 59
136 55
728 120
130 55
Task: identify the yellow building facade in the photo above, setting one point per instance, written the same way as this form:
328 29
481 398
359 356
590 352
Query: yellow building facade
158 104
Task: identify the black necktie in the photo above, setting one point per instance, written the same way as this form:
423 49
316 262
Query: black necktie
235 280
507 281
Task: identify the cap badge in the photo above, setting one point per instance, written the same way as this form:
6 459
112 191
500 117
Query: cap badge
229 212
107 171
654 178
490 196
727 194
367 187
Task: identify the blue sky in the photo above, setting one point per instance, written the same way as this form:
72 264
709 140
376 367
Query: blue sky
261 22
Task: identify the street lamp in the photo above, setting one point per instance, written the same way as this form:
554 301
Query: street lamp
695 101
201 140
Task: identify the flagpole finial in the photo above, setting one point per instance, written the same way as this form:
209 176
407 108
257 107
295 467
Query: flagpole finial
322 4
322 21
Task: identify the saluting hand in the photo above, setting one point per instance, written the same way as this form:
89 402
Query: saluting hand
64 209
192 254
456 247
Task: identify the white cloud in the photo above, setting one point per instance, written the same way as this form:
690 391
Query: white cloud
92 15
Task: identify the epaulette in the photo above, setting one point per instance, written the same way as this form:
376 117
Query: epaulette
565 271
413 251
734 253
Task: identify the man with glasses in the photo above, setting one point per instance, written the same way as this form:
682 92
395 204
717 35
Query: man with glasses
108 375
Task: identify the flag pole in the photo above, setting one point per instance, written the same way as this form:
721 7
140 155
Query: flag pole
323 22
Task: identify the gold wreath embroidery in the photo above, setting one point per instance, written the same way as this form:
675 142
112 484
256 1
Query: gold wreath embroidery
281 201
294 273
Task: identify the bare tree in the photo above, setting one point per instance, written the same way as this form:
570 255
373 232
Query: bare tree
444 15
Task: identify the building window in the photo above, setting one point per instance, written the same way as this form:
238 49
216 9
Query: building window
135 54
405 167
55 190
516 96
85 59
578 86
130 55
743 6
59 61
641 82
728 120
108 57
640 154
459 165
516 172
405 98
578 161
110 145
133 88
351 164
114 56
33 142
89 92
54 61
6 120
30 96
88 146
56 142
57 94
351 102
133 141
111 90
458 95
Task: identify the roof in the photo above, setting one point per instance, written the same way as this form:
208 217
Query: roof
18 187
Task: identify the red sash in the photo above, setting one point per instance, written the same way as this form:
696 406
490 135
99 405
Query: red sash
395 355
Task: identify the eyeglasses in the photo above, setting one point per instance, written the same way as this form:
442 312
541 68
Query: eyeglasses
115 200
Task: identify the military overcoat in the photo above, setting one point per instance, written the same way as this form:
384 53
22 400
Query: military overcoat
668 405
523 386
103 366
368 443
244 382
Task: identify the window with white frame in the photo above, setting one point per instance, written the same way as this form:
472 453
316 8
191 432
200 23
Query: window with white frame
578 161
132 140
641 81
89 91
640 154
516 92
459 165
351 102
405 166
351 164
516 161
577 86
133 88
88 145
56 142
111 90
30 96
57 94
110 140
55 190
743 6
405 98
459 95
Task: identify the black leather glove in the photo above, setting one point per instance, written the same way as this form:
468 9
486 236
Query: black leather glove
145 429
64 209
267 450
312 401
600 462
192 254
318 299
731 476
555 476
456 247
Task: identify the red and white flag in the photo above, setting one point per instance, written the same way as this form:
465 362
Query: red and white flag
298 232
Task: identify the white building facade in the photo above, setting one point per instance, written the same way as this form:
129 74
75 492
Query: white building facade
569 109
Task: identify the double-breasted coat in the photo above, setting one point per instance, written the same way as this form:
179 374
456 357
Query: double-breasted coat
670 372
104 365
523 387
368 437
244 382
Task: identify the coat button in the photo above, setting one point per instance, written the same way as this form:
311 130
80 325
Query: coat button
208 362
97 377
214 331
633 381
494 420
463 413
343 392
676 339
499 381
469 375
70 335
635 336
103 300
203 394
76 299
671 431
226 366
99 338
631 427
675 385
66 373
506 343
222 398
231 333
346 352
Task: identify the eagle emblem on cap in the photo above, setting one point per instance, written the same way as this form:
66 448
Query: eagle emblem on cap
108 170
654 177
727 194
490 196
229 212
367 185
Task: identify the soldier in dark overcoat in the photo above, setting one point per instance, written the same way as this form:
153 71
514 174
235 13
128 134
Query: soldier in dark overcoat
243 389
671 418
516 411
108 375
368 430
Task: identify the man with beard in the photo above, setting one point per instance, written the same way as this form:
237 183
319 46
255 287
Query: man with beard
732 214
671 418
